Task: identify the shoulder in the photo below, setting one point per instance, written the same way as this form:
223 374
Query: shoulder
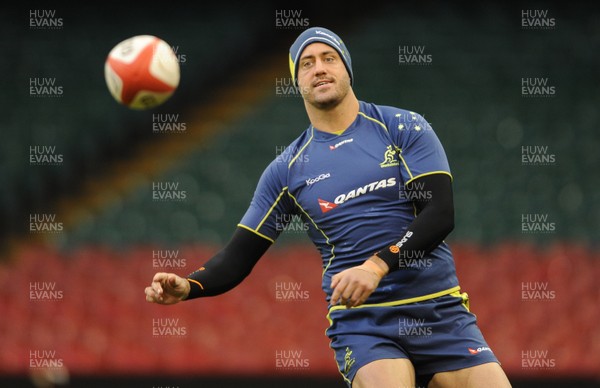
394 117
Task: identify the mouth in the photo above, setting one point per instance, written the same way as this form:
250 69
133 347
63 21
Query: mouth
321 83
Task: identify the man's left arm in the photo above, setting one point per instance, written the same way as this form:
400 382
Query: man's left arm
434 221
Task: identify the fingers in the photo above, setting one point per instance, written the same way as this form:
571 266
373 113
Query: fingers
172 280
344 288
335 280
354 295
155 292
338 288
151 295
357 297
158 280
352 287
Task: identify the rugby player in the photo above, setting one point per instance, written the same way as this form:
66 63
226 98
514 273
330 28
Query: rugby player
373 185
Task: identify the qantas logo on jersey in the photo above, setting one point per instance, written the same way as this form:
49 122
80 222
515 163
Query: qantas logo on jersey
334 147
326 205
342 198
479 350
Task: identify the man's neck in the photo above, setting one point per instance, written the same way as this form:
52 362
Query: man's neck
337 118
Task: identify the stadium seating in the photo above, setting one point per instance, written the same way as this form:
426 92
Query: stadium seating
100 329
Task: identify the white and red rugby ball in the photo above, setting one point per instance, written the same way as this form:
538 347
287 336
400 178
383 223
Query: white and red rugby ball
142 72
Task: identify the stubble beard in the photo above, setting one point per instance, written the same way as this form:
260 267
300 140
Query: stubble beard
335 97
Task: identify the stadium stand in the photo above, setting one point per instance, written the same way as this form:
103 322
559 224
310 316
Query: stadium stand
110 330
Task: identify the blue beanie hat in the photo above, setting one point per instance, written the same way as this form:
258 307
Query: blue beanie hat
323 35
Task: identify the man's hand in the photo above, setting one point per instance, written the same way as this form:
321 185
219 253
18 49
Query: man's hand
353 286
167 288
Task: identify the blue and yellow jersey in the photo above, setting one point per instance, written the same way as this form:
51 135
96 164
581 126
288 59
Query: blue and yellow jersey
349 189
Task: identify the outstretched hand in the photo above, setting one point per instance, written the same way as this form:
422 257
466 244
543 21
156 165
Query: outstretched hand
167 288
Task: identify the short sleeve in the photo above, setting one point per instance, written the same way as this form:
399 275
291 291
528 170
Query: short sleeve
271 207
421 152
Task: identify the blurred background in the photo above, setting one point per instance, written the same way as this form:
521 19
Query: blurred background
96 198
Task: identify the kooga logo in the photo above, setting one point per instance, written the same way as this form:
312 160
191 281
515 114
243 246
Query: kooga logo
319 178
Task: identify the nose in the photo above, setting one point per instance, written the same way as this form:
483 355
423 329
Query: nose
319 67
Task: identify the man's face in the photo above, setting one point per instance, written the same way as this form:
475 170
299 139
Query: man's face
322 76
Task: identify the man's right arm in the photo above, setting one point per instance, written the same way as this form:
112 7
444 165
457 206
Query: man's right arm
220 274
230 266
257 230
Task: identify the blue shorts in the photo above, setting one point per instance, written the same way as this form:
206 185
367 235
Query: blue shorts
436 335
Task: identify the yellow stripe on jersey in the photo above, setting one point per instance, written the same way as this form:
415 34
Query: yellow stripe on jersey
272 207
256 232
429 173
312 133
319 229
372 119
405 166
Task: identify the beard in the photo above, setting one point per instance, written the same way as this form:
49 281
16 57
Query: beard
329 99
